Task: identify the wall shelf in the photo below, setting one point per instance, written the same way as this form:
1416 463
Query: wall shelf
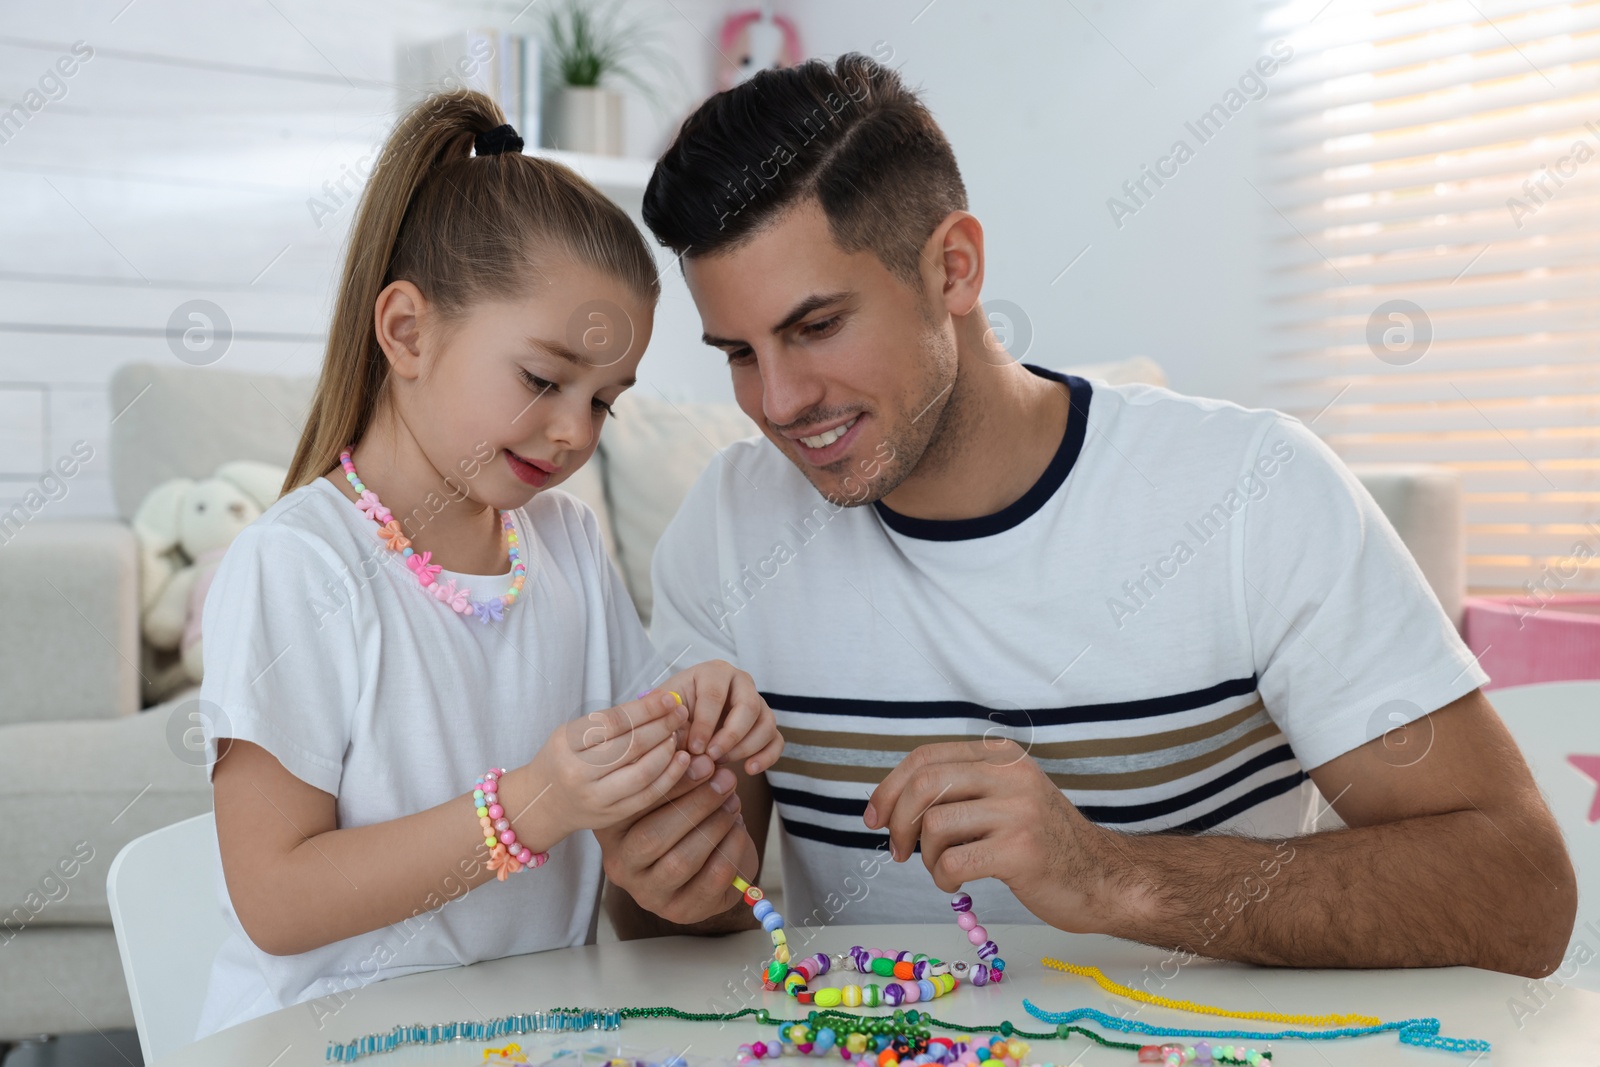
621 177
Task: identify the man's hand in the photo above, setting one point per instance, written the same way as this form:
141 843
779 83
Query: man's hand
678 859
984 809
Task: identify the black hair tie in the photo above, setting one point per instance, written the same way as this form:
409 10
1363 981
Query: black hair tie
500 139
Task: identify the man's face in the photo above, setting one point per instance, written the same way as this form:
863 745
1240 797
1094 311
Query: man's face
842 366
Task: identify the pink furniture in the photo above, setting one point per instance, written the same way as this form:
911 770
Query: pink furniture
1523 640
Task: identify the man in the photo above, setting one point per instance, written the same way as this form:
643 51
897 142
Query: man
1124 652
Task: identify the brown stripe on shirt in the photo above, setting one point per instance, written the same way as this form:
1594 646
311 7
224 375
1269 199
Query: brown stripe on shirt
1085 748
1143 778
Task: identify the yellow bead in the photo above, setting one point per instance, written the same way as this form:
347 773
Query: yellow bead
779 937
781 953
851 995
738 883
482 811
797 1033
827 998
1016 1049
991 1063
856 1043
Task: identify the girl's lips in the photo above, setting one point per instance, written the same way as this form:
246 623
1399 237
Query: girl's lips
530 471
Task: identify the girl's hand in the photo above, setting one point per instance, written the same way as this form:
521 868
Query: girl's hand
604 768
728 719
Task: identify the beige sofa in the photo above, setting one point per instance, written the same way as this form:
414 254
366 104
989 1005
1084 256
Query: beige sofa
82 772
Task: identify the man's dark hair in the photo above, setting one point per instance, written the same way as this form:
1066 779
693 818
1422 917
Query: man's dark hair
851 136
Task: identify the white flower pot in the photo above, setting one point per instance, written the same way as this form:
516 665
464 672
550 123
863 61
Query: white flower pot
588 120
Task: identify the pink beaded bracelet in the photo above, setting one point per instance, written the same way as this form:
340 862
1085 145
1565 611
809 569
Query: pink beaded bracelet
507 855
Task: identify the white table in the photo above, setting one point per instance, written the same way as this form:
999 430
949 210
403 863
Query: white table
694 974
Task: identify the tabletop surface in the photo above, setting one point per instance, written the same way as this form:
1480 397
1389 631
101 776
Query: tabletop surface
1555 1024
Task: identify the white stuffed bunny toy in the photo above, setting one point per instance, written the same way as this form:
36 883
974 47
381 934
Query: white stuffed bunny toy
183 527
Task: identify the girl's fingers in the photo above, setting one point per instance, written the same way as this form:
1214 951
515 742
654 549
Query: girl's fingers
710 696
622 786
657 791
733 729
764 759
599 727
758 737
622 750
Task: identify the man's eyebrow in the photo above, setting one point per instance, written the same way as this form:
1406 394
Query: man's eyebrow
798 312
561 351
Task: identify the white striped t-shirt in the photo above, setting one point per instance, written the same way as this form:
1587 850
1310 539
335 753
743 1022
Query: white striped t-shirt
1194 604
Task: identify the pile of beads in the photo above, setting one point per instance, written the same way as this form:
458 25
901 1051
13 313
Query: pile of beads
910 977
883 1042
1201 1054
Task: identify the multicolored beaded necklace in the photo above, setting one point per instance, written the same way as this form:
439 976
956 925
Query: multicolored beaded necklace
419 563
911 977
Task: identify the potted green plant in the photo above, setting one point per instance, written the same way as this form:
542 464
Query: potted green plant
588 49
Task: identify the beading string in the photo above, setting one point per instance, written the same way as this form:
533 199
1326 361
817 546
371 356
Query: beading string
1423 1033
1099 978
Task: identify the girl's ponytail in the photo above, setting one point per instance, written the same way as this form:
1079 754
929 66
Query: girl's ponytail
460 227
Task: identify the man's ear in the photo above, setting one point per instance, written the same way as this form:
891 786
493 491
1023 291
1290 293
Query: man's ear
955 249
397 319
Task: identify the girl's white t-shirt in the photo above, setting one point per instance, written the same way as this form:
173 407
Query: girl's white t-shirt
321 647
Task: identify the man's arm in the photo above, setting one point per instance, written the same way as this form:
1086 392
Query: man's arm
686 853
1452 858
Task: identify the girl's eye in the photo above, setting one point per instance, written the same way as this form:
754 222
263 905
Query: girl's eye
540 385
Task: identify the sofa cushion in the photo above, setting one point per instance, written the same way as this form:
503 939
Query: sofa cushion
653 453
63 980
181 422
125 777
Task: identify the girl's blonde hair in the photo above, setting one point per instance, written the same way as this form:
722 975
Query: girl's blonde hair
461 228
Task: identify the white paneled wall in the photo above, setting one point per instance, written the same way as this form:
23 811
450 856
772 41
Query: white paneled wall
178 162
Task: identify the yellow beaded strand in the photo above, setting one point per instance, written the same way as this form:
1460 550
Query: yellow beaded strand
1120 990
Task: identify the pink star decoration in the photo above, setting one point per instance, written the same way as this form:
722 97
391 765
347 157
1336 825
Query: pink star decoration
1590 766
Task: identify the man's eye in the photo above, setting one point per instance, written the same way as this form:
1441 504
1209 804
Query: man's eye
740 356
816 329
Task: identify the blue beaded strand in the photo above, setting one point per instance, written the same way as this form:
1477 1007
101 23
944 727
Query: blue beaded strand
1423 1033
538 1022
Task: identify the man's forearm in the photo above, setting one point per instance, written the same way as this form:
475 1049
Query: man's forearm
1439 890
633 922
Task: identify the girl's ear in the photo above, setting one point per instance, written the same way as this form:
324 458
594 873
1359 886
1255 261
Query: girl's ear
397 318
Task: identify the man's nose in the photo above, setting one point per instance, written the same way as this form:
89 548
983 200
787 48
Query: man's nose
788 389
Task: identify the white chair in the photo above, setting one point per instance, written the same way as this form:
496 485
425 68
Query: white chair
169 926
1550 722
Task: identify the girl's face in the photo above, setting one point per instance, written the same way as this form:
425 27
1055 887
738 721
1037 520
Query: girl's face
510 397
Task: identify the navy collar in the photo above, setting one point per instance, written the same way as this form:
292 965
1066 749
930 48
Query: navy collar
1013 514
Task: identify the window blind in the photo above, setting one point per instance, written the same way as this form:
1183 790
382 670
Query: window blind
1433 173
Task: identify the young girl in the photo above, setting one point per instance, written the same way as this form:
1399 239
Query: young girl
418 609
